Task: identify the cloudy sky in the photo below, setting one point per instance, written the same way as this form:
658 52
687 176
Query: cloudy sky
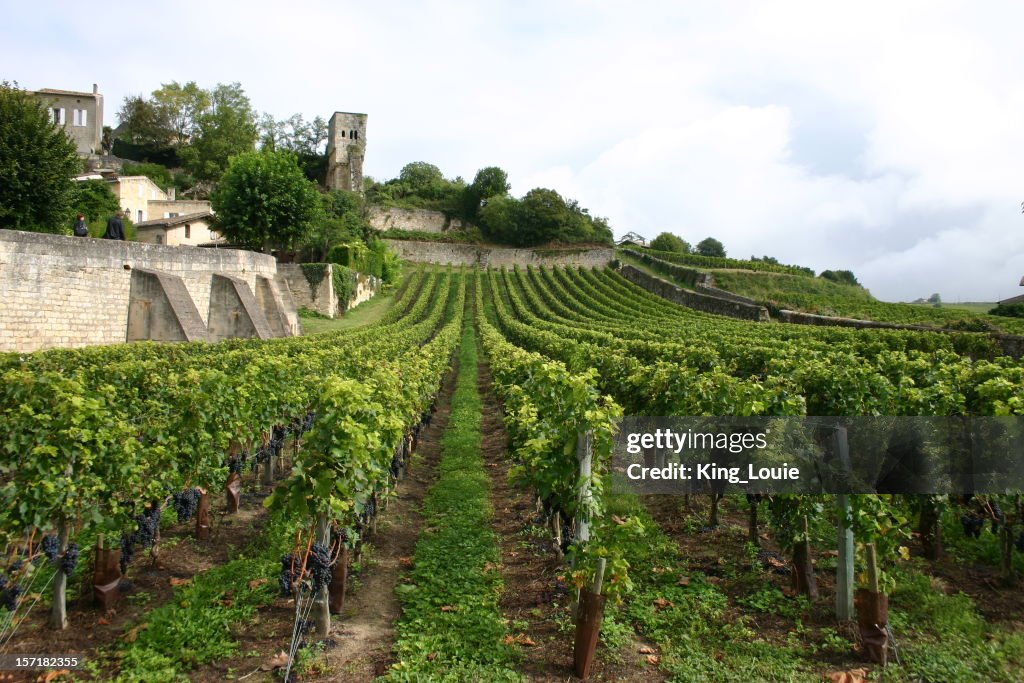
882 137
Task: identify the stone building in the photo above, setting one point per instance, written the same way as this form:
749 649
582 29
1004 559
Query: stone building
346 147
134 192
191 230
80 113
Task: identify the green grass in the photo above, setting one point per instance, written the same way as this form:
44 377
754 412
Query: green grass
366 313
451 627
197 625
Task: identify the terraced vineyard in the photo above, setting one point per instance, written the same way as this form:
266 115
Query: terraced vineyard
784 287
381 480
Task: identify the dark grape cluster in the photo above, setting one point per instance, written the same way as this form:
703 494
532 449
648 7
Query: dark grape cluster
186 503
9 596
127 551
307 422
51 547
972 525
236 464
148 524
319 566
70 559
287 579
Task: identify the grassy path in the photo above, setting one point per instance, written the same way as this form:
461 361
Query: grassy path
451 627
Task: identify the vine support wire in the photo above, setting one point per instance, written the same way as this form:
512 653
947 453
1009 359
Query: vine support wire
6 639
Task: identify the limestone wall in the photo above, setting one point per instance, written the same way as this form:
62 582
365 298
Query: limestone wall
692 299
74 291
446 253
322 298
422 220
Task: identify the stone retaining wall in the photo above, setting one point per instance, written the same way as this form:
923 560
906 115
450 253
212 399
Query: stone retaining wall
76 291
693 299
449 253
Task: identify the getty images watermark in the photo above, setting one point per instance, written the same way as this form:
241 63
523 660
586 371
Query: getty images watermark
766 455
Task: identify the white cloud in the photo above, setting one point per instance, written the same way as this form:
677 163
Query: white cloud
876 136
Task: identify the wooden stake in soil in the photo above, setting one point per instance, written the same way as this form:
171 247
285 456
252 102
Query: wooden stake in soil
844 567
588 624
585 454
203 516
58 613
322 604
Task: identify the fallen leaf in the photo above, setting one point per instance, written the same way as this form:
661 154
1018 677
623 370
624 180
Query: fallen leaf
448 608
653 659
256 583
405 561
102 622
179 582
278 661
662 603
683 581
648 651
508 640
133 635
852 676
525 640
53 675
618 520
431 656
775 562
831 553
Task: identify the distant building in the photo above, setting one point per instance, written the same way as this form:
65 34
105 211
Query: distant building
134 192
1019 299
632 238
346 147
80 113
191 230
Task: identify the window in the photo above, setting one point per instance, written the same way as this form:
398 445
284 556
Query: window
342 133
188 231
355 135
140 215
171 215
159 239
57 115
80 117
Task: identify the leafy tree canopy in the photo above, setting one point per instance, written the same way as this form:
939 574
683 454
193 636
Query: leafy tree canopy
264 201
226 128
709 246
844 277
37 163
666 241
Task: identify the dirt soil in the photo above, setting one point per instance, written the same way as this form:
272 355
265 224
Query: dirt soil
359 647
147 584
535 597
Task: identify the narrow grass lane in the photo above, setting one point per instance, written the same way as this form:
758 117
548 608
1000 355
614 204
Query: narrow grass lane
451 627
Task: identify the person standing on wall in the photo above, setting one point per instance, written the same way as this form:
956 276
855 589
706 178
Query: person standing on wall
115 227
80 229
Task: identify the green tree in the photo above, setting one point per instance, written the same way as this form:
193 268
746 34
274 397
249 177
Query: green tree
180 108
844 277
498 218
143 123
342 222
709 246
95 201
489 182
542 216
226 128
935 299
666 241
37 162
264 201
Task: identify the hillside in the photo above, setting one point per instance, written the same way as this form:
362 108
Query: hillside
798 292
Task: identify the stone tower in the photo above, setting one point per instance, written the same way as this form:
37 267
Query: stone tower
346 147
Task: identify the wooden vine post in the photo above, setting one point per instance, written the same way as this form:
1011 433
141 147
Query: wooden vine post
844 566
59 613
585 455
322 604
